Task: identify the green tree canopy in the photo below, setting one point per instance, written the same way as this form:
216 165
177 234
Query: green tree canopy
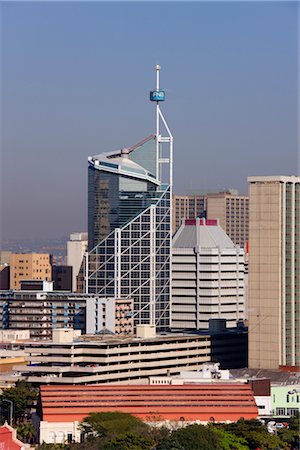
112 424
23 395
196 437
129 441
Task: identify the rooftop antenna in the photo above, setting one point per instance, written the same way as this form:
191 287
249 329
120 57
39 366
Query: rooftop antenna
158 95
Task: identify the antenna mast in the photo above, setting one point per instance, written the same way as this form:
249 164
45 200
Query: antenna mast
158 95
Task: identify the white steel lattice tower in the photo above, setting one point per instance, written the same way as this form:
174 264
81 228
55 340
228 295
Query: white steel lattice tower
130 229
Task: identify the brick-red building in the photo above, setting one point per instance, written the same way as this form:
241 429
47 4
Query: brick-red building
201 402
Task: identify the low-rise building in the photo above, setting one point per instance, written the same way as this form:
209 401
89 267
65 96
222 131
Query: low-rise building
9 441
93 359
64 407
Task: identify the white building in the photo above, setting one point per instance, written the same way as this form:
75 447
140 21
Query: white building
207 276
115 315
76 247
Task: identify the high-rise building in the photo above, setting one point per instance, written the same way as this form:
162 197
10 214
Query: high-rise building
29 266
274 272
129 224
229 207
62 278
76 247
207 276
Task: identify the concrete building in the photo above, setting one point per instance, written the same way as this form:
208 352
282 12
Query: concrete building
76 248
229 207
29 266
274 272
110 359
42 311
62 278
115 315
64 407
207 276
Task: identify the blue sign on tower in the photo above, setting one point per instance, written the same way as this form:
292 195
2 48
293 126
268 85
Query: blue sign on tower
157 96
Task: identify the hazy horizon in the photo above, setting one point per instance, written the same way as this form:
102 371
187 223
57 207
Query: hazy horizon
76 80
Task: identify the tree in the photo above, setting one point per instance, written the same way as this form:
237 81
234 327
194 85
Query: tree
112 424
255 434
129 441
229 441
26 432
23 395
196 437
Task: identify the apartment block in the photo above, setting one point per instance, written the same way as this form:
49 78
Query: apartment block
274 272
229 207
29 266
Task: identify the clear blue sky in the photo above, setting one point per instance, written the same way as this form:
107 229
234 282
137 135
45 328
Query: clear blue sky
75 82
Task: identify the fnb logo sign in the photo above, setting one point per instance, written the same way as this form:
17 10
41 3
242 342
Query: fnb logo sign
157 96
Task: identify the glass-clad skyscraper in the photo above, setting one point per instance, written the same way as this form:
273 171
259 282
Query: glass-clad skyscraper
129 225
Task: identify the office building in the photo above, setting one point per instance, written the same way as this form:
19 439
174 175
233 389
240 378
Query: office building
229 207
62 278
207 276
76 248
109 314
129 226
97 359
41 310
274 272
29 266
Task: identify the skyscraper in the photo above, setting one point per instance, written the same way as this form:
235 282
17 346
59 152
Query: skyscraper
229 207
274 271
208 276
129 223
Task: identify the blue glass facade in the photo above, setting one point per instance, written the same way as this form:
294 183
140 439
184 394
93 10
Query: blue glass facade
130 234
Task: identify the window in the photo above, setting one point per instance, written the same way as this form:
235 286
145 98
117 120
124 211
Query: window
280 411
292 411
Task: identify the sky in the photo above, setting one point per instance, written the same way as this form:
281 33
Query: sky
75 81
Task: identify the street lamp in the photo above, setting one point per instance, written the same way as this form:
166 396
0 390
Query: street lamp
10 410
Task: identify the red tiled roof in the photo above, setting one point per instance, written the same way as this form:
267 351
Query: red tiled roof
173 402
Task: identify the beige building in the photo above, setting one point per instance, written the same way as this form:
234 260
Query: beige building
29 266
76 247
230 208
274 272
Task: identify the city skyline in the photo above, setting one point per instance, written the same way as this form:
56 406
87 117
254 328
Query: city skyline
84 89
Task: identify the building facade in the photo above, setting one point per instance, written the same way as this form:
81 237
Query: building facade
29 266
76 248
274 272
62 278
114 315
230 208
120 359
64 407
130 232
207 276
